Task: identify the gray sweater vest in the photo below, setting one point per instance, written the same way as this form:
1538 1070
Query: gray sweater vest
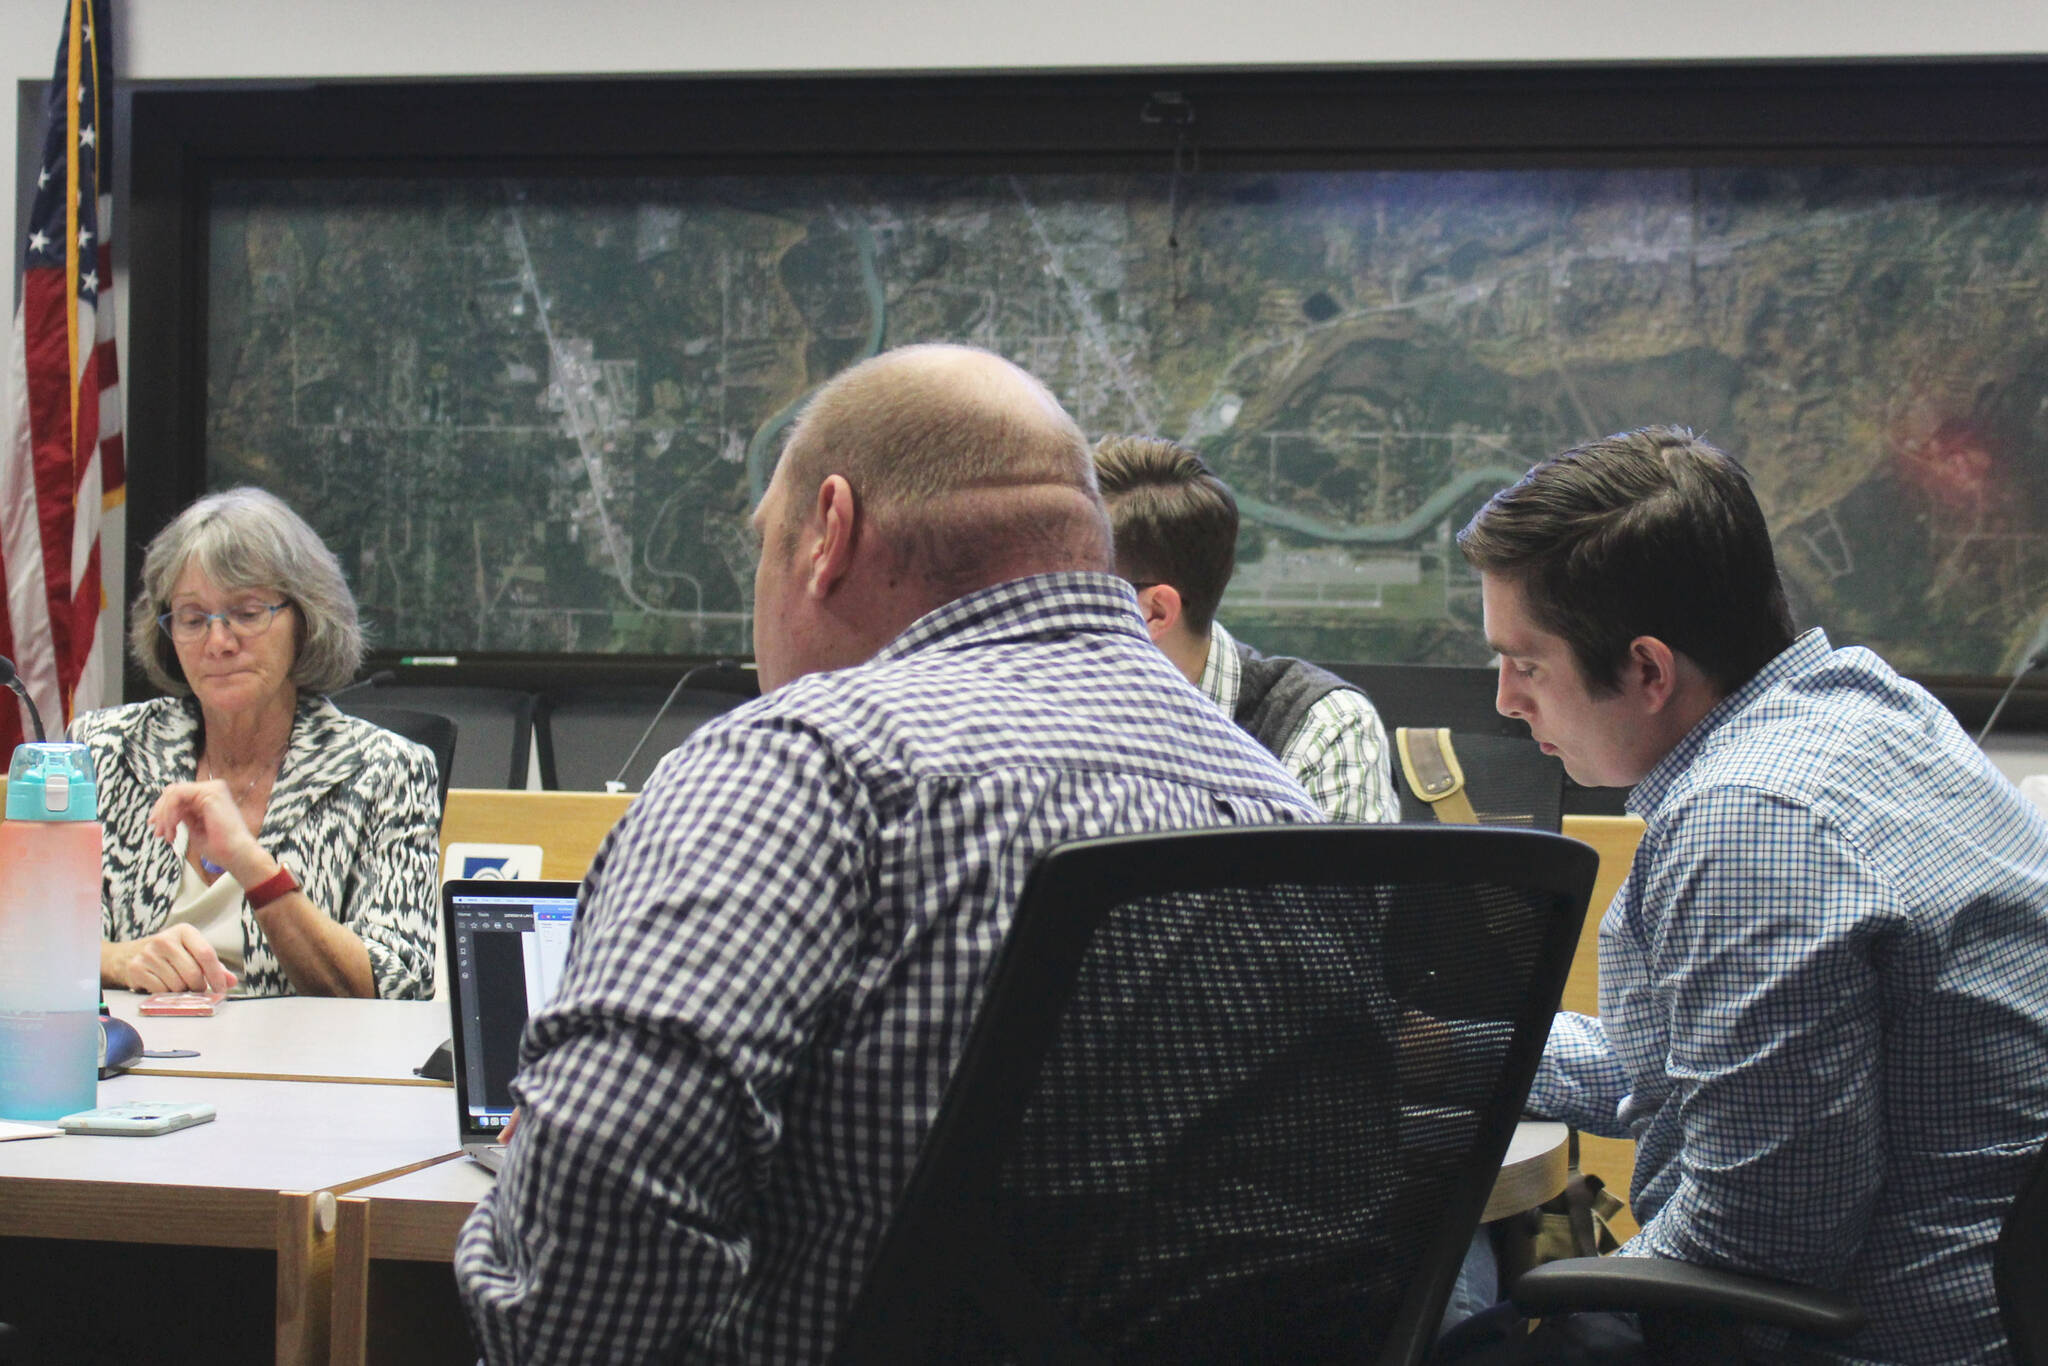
1274 694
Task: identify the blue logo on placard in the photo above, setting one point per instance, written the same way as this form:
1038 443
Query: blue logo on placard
486 866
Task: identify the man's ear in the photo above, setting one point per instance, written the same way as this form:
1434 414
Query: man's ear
1160 602
1651 672
835 519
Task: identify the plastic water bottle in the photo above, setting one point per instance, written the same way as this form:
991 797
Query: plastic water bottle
49 934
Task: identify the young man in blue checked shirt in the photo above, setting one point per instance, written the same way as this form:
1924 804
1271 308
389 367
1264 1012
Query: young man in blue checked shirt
1823 993
779 949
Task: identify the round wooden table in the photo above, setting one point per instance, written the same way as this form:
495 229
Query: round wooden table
1533 1171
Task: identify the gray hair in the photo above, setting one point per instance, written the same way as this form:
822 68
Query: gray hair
241 539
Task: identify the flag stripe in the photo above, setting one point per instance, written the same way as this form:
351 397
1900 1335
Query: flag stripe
64 463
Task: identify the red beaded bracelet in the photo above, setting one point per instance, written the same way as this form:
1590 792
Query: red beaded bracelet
271 888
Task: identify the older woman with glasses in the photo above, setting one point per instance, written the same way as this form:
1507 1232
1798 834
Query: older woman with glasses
256 835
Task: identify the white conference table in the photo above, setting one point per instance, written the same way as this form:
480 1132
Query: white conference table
263 1175
380 1313
341 1179
416 1218
1534 1170
293 1038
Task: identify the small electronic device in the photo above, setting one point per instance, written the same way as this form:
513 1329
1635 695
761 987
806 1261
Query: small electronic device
182 1003
138 1118
508 944
120 1046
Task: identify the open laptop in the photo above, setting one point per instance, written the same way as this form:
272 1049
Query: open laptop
507 943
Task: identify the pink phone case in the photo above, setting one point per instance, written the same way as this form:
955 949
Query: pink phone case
182 1003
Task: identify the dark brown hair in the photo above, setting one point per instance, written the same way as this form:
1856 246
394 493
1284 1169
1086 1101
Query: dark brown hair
1175 521
1646 533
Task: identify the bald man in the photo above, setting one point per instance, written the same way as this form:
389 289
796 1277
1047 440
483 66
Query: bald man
778 950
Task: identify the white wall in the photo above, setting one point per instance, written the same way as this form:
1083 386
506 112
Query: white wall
179 39
204 40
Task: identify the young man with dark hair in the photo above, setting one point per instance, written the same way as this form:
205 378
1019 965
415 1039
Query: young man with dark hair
1823 991
1176 542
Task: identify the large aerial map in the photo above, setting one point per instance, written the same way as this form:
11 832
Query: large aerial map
533 415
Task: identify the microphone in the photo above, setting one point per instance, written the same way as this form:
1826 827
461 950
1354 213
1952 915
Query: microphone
2032 658
375 680
12 680
724 675
618 784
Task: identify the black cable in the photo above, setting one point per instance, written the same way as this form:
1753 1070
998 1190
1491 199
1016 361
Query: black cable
13 681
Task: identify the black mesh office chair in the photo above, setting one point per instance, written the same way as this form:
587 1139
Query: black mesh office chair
1693 1314
2019 1266
586 734
1690 1315
1231 1096
496 726
428 728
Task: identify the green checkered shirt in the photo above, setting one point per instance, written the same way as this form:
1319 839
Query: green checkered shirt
1339 752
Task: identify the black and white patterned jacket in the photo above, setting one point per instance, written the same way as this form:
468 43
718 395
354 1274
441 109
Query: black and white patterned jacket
354 815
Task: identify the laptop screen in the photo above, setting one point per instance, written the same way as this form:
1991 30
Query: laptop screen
507 943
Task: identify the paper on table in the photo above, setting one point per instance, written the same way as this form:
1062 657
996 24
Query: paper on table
9 1130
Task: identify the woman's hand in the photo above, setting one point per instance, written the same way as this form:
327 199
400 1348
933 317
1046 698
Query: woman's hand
175 958
220 835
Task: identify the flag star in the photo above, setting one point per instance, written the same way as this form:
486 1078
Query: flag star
85 136
43 179
85 237
38 241
90 280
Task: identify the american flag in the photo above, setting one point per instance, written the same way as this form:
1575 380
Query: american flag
62 465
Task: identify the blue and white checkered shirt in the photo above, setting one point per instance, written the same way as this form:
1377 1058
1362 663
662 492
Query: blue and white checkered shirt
777 956
1824 1003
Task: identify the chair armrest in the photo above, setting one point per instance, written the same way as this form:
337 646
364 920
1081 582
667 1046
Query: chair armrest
1649 1284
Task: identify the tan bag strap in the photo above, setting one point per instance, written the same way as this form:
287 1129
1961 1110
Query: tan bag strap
1431 767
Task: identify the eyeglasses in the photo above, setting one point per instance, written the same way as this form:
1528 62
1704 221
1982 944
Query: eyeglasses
247 620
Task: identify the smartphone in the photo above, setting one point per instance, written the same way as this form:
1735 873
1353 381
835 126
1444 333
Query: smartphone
137 1118
181 1003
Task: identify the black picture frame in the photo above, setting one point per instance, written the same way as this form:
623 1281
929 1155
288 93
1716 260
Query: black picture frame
185 136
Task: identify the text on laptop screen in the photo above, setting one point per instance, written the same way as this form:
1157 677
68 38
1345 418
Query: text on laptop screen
508 953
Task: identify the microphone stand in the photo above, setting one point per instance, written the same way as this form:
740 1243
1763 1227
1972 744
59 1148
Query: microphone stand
618 784
2026 667
12 681
699 674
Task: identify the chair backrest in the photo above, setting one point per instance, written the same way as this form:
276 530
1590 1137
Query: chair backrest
585 734
1508 780
428 728
1231 1095
2019 1268
496 725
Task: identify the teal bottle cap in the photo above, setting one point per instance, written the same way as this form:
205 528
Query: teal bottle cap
52 782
